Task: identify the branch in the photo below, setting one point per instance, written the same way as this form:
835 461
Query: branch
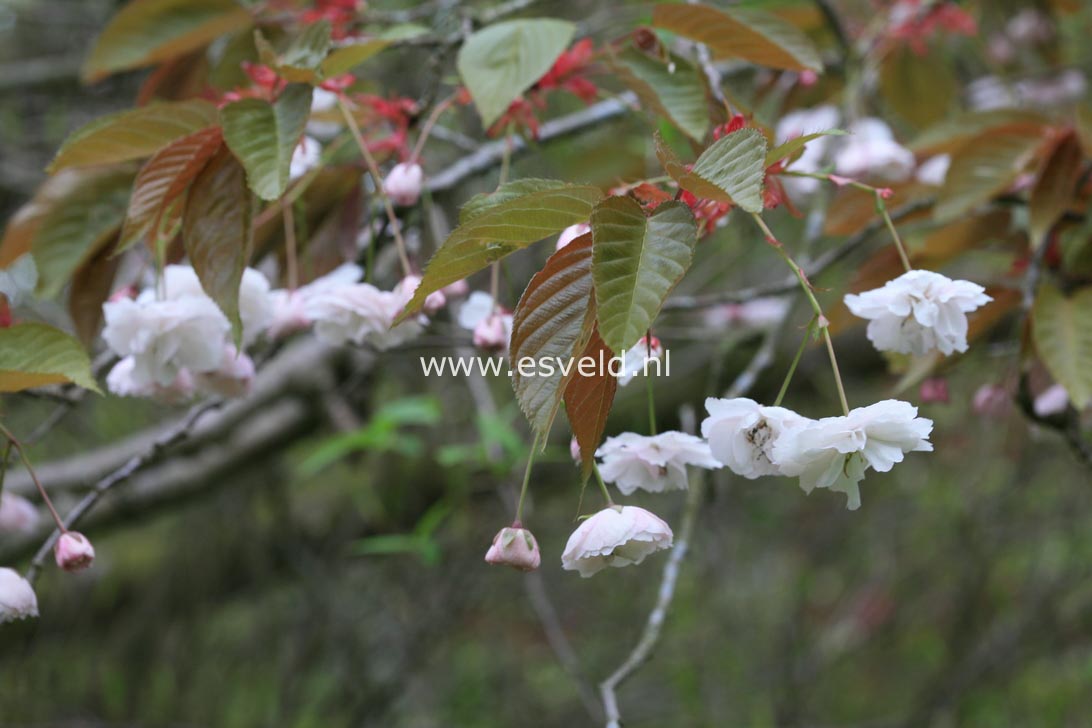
490 155
742 295
650 636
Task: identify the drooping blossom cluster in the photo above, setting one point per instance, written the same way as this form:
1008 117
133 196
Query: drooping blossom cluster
753 440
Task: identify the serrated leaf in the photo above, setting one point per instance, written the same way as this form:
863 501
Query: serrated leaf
1055 188
501 61
1063 337
133 134
732 169
502 230
588 401
507 192
148 31
163 178
984 168
746 33
264 135
796 144
676 92
303 56
217 232
550 326
347 57
34 355
78 225
637 260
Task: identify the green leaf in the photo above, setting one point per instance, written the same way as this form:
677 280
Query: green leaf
306 52
507 192
501 61
752 35
732 169
551 326
145 32
79 224
264 135
797 144
347 57
34 355
984 168
501 230
675 91
1063 336
217 233
133 134
164 178
637 260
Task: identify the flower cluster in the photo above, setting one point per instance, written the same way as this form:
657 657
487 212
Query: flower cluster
833 452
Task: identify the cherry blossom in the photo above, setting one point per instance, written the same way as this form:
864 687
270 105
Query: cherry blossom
122 381
571 233
17 514
165 336
934 170
918 312
835 452
636 360
307 156
652 462
615 536
288 306
871 151
742 434
515 547
404 182
360 313
17 599
233 378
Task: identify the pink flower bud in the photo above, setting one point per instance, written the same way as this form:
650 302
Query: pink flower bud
515 547
433 302
458 289
17 599
73 551
403 183
1052 401
574 450
991 400
934 391
492 332
17 514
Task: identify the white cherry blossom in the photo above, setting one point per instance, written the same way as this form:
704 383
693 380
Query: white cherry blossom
742 434
871 151
360 313
934 170
640 356
122 381
404 182
835 452
615 536
17 599
17 514
652 462
918 312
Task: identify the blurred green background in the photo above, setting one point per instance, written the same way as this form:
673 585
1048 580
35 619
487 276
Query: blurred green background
338 580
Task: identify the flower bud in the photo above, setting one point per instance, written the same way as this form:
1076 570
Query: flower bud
17 599
403 183
934 390
515 547
73 551
574 450
991 400
17 514
491 333
458 289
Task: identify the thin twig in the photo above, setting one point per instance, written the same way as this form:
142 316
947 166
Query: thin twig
126 471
